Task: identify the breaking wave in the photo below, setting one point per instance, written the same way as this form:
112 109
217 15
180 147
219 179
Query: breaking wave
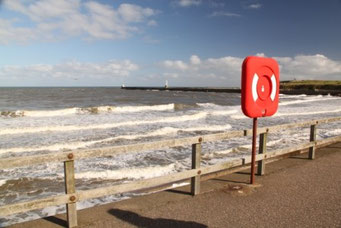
82 144
293 114
173 119
129 173
94 110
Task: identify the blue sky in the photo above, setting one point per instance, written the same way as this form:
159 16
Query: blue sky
187 42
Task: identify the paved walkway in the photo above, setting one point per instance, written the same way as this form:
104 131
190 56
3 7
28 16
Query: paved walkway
295 192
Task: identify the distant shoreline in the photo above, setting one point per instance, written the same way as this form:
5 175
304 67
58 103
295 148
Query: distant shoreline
311 87
295 87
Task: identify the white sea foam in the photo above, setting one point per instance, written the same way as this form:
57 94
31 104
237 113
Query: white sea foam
209 105
223 112
164 107
215 154
279 114
83 144
172 119
128 173
51 113
307 113
93 110
332 132
291 96
314 99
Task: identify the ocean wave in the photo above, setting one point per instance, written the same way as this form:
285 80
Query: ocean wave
84 144
291 96
223 112
94 110
307 113
312 99
280 114
57 128
173 119
128 173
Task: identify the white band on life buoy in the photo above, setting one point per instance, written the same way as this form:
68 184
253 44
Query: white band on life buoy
274 87
254 87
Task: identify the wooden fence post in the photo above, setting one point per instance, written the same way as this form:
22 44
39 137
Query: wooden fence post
71 208
196 159
262 150
312 139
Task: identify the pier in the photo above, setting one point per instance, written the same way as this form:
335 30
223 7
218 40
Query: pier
185 89
322 178
283 90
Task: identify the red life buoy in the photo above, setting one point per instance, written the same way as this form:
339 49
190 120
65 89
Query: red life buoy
260 86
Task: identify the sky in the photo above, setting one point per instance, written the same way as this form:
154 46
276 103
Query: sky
146 42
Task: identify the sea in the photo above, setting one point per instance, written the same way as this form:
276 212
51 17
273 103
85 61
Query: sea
43 121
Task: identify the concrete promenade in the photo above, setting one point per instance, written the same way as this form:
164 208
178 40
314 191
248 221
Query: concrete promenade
294 192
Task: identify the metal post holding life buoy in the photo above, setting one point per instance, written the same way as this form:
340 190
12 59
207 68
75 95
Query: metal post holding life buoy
253 156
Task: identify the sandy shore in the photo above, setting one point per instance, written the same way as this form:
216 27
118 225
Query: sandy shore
294 192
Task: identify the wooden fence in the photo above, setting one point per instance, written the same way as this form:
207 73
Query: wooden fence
72 196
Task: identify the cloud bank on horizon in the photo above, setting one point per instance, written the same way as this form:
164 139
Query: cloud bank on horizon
204 72
154 28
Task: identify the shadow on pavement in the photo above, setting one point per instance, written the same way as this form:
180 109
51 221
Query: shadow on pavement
178 192
232 181
140 221
299 157
56 220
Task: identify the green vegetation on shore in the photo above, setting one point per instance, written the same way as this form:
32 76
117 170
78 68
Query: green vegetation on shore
311 85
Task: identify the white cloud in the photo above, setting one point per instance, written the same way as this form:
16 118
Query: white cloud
196 71
226 71
9 33
177 65
224 14
195 60
88 19
212 71
255 6
71 70
309 67
187 3
260 55
134 13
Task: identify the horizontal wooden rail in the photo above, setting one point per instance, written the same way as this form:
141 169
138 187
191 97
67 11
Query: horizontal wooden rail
152 182
7 163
